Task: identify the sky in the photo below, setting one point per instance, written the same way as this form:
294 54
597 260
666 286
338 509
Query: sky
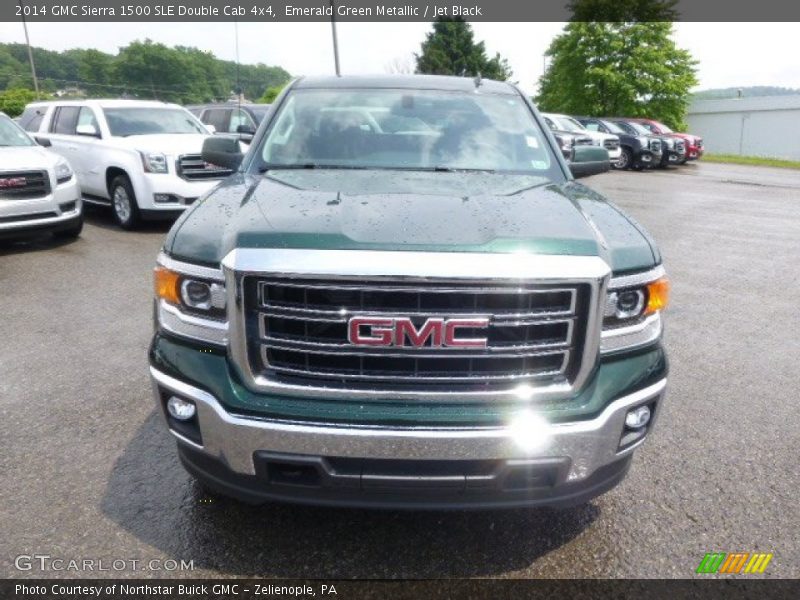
730 54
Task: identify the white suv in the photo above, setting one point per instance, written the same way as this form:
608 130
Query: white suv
38 191
609 141
142 158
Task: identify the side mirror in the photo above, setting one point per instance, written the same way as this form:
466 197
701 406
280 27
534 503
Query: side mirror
589 160
245 129
222 151
210 128
88 130
43 142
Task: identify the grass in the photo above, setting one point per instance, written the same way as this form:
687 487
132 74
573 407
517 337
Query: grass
759 161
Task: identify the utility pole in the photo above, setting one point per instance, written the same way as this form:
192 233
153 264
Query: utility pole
335 41
30 51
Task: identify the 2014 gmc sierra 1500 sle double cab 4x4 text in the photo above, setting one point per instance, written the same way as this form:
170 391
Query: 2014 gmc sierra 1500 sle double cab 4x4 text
402 298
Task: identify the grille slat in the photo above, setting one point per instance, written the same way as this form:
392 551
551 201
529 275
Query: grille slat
297 330
24 185
193 167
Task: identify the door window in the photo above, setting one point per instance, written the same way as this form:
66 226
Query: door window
218 117
240 117
65 120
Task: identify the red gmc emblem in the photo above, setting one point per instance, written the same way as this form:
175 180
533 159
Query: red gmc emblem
12 182
401 331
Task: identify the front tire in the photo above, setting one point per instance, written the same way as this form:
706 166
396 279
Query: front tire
625 159
123 203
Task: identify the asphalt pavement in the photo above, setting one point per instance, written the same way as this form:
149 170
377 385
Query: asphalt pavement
88 471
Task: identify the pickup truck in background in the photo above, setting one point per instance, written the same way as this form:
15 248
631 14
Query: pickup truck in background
240 119
694 144
638 151
141 158
403 298
609 141
673 150
567 139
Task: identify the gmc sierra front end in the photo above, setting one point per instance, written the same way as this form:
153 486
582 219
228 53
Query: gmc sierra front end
403 299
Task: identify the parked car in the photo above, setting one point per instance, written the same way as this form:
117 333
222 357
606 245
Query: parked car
436 317
609 141
241 119
694 144
673 150
638 151
567 139
38 189
141 158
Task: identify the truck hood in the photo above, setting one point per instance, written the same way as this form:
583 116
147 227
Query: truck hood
599 136
422 211
23 158
170 144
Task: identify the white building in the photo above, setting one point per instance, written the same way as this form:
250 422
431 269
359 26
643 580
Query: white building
766 126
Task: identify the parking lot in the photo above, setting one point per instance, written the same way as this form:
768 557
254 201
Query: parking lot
87 469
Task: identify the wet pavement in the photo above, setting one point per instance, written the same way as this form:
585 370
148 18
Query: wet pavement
88 471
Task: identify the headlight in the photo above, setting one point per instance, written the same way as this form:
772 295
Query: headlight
632 316
187 292
628 303
190 301
63 172
643 140
154 162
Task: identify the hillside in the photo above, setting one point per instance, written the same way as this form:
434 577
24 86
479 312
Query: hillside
747 92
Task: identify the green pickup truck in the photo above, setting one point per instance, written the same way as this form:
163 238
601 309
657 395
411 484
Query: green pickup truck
401 298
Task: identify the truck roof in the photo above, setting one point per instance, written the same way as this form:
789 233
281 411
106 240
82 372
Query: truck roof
410 82
109 103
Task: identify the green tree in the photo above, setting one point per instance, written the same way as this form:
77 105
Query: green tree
13 101
95 71
450 49
271 93
618 68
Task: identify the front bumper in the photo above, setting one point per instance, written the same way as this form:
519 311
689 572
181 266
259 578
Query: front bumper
647 158
527 462
177 192
61 209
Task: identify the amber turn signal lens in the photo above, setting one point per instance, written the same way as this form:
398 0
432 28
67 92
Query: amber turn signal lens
167 285
657 295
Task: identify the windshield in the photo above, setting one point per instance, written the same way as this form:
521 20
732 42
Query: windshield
406 129
613 127
663 128
570 124
12 135
638 128
123 122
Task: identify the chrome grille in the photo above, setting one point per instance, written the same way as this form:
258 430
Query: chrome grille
193 167
611 144
24 185
297 330
655 145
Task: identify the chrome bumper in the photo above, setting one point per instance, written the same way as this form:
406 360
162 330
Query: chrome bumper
588 445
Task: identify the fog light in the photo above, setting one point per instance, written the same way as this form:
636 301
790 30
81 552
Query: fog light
638 417
180 409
